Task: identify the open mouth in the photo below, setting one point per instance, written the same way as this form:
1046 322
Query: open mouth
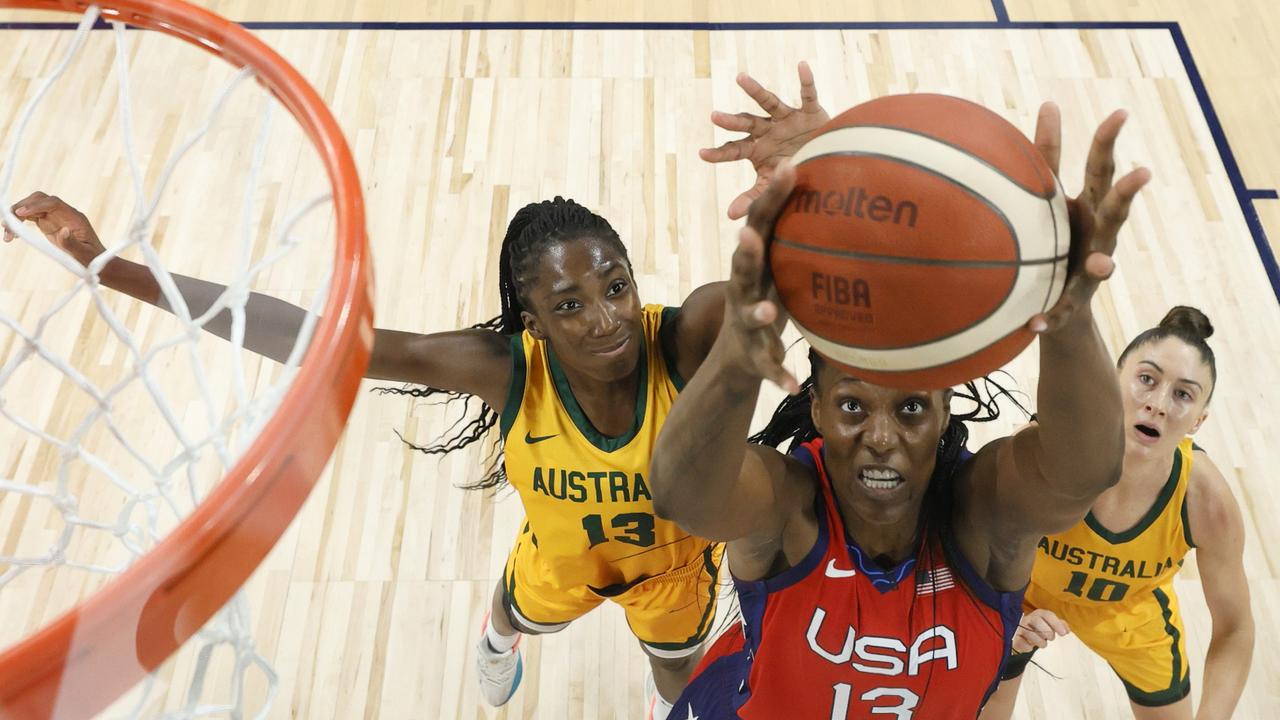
880 478
1147 430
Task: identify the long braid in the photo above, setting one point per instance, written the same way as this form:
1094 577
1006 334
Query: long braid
532 229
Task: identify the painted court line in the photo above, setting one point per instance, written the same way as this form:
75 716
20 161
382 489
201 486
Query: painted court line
1244 195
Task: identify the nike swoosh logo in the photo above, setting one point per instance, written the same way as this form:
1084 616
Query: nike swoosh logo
530 439
835 572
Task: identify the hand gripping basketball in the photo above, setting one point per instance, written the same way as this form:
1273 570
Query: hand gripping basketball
753 318
769 140
1097 213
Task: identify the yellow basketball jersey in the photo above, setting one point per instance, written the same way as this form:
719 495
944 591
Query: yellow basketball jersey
586 496
1091 564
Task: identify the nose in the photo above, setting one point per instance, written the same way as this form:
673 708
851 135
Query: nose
1157 402
881 437
604 321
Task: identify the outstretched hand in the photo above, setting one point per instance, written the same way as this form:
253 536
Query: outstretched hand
1097 214
753 317
769 139
66 227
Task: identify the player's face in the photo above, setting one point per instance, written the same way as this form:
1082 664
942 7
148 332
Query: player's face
584 303
1165 386
881 443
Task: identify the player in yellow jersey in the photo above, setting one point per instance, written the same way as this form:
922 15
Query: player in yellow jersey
581 376
1109 579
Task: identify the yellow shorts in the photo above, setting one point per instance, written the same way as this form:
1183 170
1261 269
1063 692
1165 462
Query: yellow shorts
671 614
1143 639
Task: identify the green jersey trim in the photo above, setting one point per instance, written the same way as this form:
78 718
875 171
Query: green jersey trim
1157 507
580 420
515 393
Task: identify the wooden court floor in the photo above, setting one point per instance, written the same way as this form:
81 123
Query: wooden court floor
370 605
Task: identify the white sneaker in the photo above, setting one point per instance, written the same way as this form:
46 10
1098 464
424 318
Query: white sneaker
654 707
500 673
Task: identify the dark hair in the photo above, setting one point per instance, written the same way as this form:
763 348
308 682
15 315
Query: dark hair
1189 325
534 227
793 421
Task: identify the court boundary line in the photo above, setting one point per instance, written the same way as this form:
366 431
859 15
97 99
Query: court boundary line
1245 195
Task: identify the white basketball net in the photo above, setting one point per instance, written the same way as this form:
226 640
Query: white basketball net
174 478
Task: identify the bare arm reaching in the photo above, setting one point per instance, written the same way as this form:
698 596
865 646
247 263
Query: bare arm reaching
1044 479
470 361
703 474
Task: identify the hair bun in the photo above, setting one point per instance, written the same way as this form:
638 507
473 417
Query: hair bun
1188 319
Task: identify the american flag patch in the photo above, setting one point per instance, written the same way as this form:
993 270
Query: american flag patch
934 580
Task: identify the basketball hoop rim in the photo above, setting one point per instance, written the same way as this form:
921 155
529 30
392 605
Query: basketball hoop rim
142 616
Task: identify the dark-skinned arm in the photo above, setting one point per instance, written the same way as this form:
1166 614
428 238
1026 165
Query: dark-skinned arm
471 361
1048 475
704 475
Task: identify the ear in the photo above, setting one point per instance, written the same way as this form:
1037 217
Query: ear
532 325
946 407
1199 421
815 411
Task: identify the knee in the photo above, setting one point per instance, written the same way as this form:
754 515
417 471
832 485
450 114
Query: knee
678 665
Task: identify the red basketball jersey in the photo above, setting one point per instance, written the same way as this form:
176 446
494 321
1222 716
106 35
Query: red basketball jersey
836 637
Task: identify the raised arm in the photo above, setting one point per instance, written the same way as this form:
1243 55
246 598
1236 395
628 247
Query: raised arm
471 361
1218 531
771 139
703 474
1047 476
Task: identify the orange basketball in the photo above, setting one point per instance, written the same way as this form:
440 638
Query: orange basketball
923 233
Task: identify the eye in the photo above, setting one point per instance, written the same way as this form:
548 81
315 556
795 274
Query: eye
850 405
913 407
1146 379
568 306
1183 395
617 287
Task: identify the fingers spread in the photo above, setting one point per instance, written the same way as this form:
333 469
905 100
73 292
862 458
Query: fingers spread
746 275
808 91
1049 135
1115 205
765 209
764 98
728 152
740 122
1100 167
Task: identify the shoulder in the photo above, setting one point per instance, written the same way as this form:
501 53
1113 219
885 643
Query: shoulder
1211 509
773 549
689 331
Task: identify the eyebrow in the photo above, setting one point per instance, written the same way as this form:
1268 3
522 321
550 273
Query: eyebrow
1189 381
573 286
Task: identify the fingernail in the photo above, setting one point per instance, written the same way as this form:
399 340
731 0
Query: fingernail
19 210
1039 326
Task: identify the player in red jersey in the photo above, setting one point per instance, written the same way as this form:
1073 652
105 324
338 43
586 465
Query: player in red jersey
880 567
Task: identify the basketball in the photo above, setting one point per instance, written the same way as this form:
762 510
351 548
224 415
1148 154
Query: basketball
923 233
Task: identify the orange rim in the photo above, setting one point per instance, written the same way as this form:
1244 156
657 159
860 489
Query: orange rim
81 662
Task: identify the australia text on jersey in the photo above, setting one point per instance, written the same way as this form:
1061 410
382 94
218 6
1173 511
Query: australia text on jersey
599 486
1103 563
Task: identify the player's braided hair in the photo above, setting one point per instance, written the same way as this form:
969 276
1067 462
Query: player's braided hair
1189 325
534 227
793 421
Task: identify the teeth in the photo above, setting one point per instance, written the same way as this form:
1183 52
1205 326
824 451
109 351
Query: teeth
879 479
